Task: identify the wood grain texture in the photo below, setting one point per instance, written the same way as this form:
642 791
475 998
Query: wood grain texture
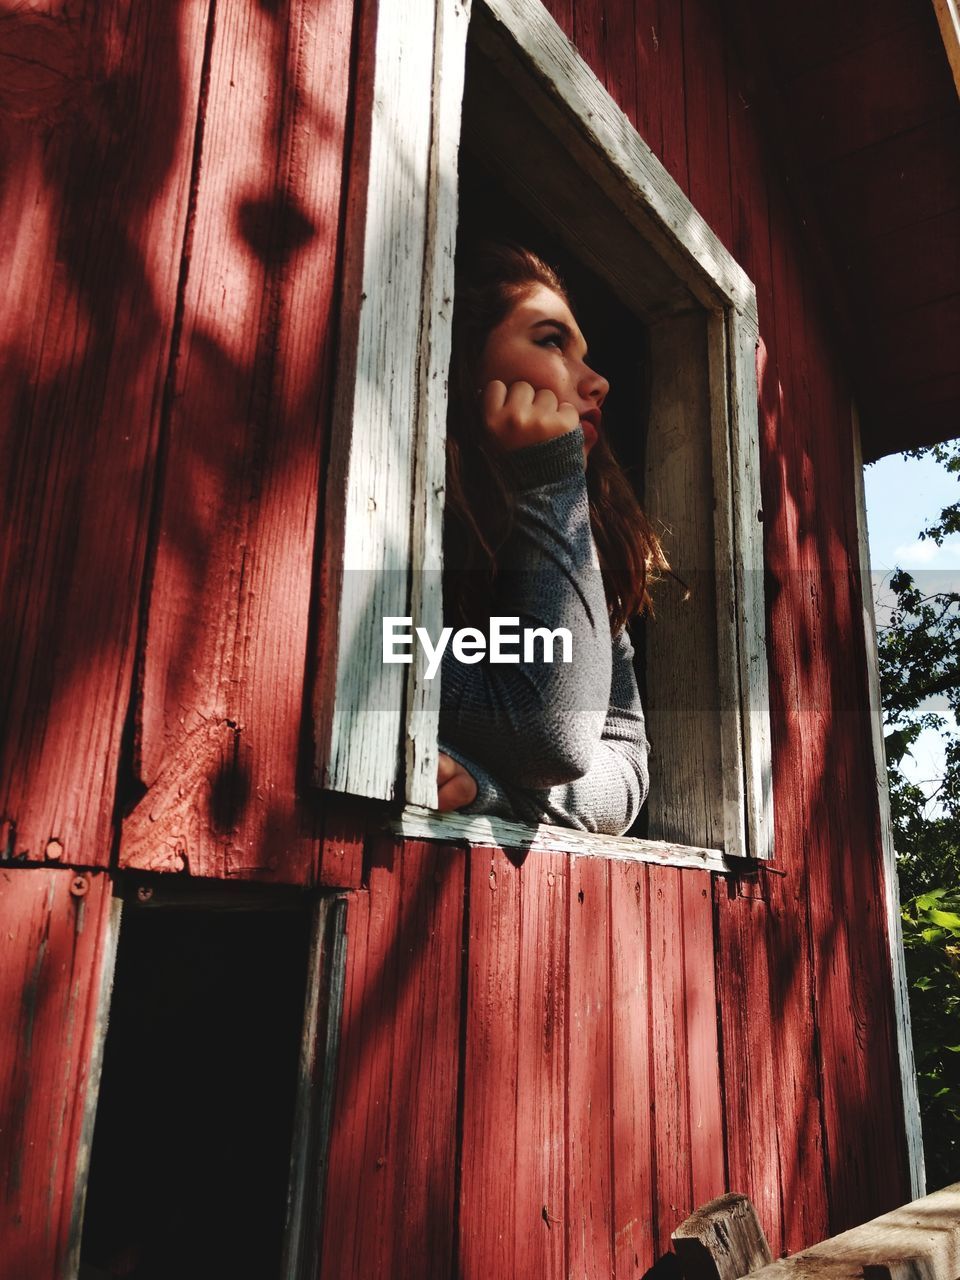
96 136
634 1173
673 1193
722 1240
345 822
824 801
913 1242
389 1204
780 924
426 603
589 1087
948 20
748 1023
59 929
427 824
225 650
682 708
742 338
702 1067
358 699
676 228
893 920
543 1002
490 1234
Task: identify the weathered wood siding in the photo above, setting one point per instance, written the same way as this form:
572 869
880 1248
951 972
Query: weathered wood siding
170 229
785 976
59 935
543 1068
492 1014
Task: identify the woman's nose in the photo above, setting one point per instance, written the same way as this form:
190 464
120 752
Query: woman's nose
593 385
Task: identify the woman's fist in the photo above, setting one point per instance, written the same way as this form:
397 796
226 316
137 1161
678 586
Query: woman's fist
455 785
520 416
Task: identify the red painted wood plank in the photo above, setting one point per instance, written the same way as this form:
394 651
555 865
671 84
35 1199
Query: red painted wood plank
670 1084
488 1155
798 39
705 97
541 1119
352 1214
793 1045
673 129
897 82
98 144
750 1099
345 819
792 1036
646 55
59 931
389 1207
562 13
622 45
707 1163
790 941
909 266
589 35
589 1093
920 347
222 700
631 1090
833 813
907 178
853 987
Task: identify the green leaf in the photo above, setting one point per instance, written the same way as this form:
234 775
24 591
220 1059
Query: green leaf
946 919
928 900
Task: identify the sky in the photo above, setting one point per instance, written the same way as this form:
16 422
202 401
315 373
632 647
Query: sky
903 496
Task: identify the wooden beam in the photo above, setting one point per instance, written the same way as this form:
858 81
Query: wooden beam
723 1240
898 966
359 700
615 154
430 444
478 829
948 18
918 1241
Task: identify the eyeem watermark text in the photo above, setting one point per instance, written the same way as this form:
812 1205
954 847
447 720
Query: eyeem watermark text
471 645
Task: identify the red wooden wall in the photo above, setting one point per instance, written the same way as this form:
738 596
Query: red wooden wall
542 1067
552 1105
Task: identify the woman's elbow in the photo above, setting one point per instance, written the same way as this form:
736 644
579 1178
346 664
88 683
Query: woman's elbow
551 764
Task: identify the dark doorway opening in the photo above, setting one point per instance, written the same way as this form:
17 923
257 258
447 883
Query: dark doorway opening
191 1149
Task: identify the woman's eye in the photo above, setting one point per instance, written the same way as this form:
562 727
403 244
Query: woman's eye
552 339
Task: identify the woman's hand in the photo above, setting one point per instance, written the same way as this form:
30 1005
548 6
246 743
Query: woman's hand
521 415
456 786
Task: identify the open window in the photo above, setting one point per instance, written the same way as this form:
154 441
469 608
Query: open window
535 146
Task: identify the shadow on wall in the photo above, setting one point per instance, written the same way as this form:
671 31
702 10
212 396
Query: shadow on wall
167 349
171 250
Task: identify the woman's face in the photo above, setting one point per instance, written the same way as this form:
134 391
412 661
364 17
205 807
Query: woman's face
540 342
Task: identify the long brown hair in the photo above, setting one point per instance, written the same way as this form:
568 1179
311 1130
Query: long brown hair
479 503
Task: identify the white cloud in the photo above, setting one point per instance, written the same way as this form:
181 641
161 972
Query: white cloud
925 554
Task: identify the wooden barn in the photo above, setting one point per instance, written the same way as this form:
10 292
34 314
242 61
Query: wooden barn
265 1012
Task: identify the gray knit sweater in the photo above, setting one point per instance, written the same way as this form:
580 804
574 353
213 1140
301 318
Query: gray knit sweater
557 742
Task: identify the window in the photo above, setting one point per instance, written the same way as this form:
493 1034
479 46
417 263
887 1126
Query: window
534 120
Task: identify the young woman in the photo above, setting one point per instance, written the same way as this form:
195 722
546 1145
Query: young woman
541 525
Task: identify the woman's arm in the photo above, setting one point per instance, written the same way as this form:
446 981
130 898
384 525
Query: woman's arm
538 724
608 797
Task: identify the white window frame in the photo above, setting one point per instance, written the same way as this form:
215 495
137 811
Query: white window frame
384 505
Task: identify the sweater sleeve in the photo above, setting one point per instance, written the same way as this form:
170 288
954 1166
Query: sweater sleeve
537 724
608 797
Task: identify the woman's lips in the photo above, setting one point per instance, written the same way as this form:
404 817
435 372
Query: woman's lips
590 421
